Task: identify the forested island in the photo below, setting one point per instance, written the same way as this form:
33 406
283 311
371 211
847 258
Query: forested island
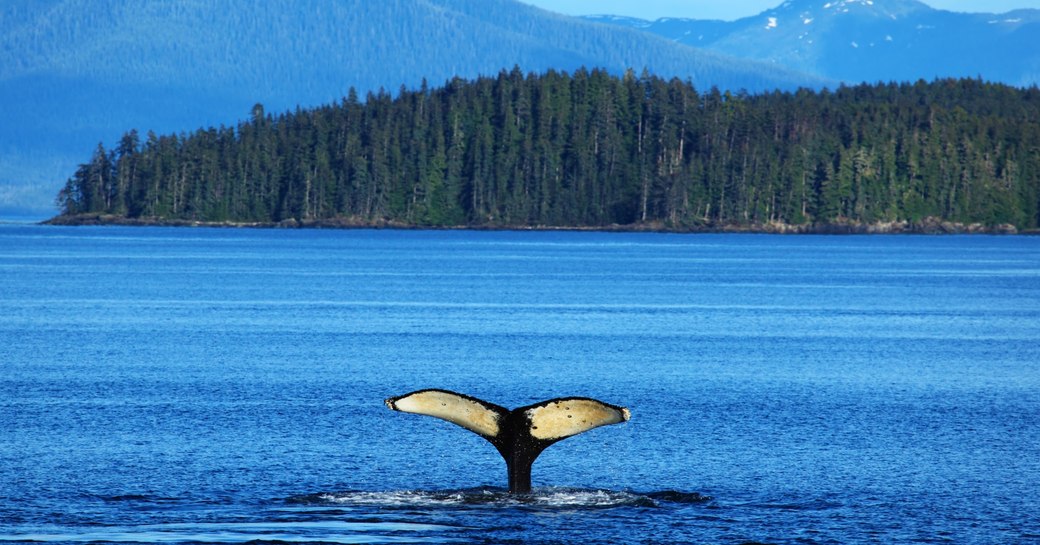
593 150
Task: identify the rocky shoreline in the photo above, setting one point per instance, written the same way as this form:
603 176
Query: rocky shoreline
929 225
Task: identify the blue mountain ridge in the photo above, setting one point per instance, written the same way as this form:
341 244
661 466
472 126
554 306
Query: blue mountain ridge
77 72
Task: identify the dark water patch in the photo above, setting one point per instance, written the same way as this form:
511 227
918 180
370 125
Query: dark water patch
675 496
139 498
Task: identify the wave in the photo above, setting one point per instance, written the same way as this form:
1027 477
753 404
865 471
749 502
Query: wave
324 531
136 498
549 498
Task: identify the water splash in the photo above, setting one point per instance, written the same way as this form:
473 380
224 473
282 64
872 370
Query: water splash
540 498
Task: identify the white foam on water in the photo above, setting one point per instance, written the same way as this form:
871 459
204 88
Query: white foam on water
550 498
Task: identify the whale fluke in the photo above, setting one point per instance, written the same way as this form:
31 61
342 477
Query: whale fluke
520 435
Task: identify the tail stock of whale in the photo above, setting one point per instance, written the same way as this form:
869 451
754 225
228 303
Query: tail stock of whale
521 434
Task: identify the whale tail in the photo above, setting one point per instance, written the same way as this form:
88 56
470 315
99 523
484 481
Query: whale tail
519 435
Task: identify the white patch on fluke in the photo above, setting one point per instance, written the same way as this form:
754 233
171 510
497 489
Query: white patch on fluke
451 407
564 418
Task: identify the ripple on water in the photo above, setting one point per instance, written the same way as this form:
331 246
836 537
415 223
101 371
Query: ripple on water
325 531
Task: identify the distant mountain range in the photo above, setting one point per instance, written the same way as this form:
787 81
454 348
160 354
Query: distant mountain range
76 72
858 41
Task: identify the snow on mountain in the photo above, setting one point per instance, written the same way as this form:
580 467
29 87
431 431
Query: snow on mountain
874 40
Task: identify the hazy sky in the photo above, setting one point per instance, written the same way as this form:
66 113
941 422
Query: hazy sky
735 9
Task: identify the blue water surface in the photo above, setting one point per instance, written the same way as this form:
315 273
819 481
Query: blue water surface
193 385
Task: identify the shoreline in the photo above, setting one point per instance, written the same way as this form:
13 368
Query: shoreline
926 226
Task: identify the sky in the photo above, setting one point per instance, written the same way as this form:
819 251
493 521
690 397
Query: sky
734 9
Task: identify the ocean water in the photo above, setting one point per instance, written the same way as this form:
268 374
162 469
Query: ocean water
191 385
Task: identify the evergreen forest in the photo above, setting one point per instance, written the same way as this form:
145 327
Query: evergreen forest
590 149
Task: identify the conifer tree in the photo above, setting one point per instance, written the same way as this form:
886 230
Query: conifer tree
590 149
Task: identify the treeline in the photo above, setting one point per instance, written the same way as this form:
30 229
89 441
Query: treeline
592 149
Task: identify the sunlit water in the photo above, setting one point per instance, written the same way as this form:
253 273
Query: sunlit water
226 386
